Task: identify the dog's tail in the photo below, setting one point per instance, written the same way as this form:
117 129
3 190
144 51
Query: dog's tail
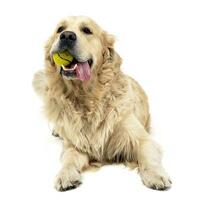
39 83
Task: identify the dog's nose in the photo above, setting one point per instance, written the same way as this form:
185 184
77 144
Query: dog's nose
68 37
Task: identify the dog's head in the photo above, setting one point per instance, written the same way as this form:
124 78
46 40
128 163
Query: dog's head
89 45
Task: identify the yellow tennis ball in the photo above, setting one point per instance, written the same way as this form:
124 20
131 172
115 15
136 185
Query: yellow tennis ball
62 58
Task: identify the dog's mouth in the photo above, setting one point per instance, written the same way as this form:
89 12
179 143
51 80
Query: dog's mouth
77 69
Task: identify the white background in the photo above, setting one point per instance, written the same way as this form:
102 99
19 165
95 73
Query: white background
159 42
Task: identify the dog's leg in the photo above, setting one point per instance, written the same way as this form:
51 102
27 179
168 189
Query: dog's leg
150 168
148 156
69 176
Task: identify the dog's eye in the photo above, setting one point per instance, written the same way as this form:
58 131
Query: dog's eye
60 29
86 30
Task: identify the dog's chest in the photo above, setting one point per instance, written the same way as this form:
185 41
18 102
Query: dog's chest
86 125
87 128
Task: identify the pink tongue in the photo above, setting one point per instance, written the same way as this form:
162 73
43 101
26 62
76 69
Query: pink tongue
83 71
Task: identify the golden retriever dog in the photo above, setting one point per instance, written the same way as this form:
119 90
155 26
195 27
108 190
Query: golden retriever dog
101 114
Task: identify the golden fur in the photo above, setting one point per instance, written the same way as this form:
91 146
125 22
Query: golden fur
104 120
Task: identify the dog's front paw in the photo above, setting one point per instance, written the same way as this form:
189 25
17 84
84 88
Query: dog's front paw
155 179
67 179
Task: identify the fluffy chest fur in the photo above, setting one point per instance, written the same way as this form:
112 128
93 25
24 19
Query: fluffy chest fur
88 118
88 121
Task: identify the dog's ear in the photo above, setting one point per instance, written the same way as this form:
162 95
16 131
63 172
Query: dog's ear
49 64
47 48
109 54
108 40
111 60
